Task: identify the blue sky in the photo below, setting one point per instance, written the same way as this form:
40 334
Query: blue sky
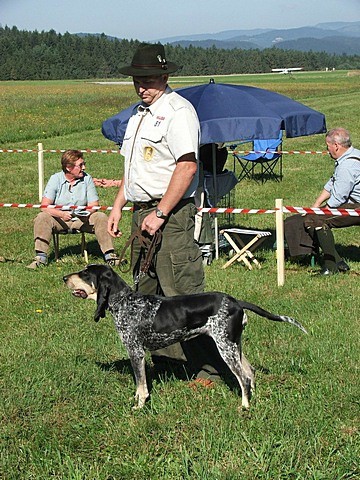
154 19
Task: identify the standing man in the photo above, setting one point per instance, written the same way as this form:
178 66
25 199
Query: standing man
160 147
341 191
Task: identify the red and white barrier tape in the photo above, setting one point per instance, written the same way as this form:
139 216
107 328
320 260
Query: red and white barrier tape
324 211
301 210
59 207
19 150
281 152
88 150
242 152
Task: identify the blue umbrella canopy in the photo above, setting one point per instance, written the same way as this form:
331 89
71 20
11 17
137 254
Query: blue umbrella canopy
236 112
239 112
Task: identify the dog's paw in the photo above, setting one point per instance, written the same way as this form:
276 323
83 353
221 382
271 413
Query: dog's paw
139 401
245 403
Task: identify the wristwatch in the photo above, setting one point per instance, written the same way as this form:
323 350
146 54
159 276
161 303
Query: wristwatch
160 214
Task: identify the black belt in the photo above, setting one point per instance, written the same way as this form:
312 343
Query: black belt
146 205
154 203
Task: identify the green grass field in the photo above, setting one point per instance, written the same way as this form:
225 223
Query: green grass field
66 382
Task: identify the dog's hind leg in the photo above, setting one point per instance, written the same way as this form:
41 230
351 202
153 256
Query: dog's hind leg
249 371
231 355
142 393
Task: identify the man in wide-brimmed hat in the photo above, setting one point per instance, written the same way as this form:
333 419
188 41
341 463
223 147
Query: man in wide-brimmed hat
161 146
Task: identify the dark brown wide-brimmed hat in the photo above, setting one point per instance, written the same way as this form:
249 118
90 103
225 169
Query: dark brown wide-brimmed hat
149 59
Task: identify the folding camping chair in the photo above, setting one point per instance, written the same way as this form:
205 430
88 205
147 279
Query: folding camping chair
243 251
56 243
267 161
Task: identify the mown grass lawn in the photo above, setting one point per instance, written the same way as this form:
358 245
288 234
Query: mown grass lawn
66 383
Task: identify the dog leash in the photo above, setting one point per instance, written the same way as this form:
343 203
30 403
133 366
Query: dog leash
149 246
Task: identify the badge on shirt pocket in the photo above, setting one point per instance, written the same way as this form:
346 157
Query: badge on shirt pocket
148 153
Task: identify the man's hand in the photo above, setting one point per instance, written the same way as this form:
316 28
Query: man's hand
152 223
113 223
116 213
65 215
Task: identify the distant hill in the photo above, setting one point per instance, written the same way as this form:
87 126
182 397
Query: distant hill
331 37
225 35
335 45
226 44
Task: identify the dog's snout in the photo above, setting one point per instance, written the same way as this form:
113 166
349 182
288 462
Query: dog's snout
65 278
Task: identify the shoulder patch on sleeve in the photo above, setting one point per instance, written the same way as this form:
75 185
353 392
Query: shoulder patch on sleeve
177 102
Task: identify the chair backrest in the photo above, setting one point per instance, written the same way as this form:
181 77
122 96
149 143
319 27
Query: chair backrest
225 182
206 157
265 145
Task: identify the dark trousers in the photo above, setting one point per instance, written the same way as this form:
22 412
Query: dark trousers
333 221
301 233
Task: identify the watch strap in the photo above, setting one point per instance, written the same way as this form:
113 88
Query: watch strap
161 214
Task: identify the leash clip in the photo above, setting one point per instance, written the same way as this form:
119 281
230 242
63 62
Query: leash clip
138 277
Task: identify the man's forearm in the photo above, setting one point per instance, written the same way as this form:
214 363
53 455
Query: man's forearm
180 181
120 200
324 195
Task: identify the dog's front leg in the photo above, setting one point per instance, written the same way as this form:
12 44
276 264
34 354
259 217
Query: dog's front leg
142 393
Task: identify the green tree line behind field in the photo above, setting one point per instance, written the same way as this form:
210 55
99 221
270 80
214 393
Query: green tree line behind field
26 55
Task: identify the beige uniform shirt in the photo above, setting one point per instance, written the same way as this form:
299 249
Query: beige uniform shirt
154 140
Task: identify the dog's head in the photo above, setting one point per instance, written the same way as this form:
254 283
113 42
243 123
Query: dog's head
97 283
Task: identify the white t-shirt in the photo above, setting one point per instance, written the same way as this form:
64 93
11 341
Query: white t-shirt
154 140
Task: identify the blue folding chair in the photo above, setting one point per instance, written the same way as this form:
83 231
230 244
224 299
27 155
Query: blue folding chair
267 155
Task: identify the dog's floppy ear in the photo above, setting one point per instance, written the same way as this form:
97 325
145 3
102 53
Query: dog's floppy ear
103 292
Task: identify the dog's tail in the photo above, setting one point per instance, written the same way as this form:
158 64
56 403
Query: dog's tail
271 316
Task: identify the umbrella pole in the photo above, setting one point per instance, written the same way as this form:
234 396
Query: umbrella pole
216 225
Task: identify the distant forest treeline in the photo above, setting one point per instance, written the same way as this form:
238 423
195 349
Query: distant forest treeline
49 55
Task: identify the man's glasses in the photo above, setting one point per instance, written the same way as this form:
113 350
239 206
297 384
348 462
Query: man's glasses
80 165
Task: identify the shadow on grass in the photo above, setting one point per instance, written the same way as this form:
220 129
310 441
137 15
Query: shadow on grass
75 248
350 252
163 371
166 370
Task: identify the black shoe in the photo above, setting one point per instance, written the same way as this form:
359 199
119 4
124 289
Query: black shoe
114 261
343 266
325 272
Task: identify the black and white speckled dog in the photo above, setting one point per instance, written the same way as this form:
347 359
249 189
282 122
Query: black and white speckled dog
152 322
